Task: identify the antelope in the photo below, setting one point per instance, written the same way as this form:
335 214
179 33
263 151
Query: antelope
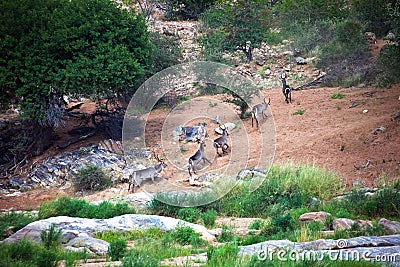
196 158
259 109
222 142
149 173
201 134
286 89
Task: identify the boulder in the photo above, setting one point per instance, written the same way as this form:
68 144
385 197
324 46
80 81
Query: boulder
229 125
319 216
342 223
391 227
77 233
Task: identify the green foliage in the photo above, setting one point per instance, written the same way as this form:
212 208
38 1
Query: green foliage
167 51
53 47
185 235
117 248
65 206
359 204
12 221
27 253
209 217
374 15
91 178
186 9
135 258
355 230
299 112
257 224
240 25
51 239
108 235
226 234
337 96
389 58
189 214
222 256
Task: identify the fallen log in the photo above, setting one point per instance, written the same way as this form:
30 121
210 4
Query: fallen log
309 83
75 140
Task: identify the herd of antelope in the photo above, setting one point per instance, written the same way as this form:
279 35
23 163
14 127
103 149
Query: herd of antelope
137 177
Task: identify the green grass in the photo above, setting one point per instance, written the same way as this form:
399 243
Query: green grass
337 96
299 112
65 206
11 222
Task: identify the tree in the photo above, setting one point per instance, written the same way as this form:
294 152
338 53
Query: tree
53 47
240 25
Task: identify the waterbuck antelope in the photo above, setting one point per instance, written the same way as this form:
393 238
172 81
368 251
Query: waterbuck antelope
259 109
137 177
196 158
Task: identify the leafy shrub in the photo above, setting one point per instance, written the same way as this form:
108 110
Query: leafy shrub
136 258
299 112
117 248
65 206
337 96
209 217
186 9
51 238
108 235
11 222
226 235
257 224
389 59
185 235
167 51
222 256
91 178
189 214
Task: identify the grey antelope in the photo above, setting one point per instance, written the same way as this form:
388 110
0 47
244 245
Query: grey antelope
196 158
259 109
222 142
137 177
286 89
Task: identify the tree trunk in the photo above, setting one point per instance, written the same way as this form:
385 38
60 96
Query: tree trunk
42 136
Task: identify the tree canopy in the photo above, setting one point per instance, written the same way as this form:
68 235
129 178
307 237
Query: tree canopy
54 47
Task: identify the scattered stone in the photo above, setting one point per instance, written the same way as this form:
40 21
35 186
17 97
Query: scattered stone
381 128
250 173
319 216
365 111
300 61
229 125
397 114
391 227
359 183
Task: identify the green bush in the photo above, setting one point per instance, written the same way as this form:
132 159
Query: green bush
185 235
222 256
209 217
65 206
91 178
389 58
186 9
11 222
117 248
135 258
189 214
51 239
226 235
337 96
167 51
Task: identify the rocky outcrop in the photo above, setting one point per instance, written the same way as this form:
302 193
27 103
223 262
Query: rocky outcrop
77 233
61 168
391 227
319 216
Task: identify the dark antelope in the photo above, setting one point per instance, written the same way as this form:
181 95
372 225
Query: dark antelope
286 89
222 142
196 158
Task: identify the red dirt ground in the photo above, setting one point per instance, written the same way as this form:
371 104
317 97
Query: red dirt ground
329 134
